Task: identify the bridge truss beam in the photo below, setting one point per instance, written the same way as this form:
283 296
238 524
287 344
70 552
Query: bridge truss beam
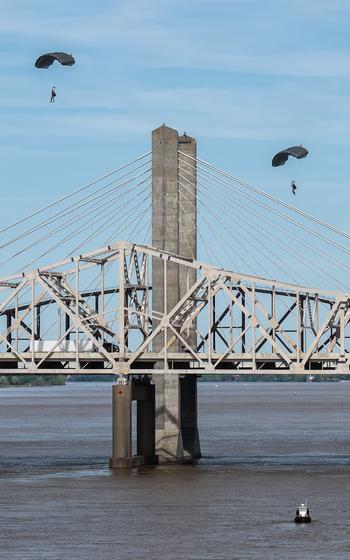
66 319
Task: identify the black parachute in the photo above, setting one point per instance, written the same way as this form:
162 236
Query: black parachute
296 151
45 60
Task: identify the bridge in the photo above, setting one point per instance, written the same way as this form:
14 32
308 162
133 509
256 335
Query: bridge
155 316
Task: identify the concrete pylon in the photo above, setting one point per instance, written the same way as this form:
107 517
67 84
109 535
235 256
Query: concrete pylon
173 230
143 393
121 428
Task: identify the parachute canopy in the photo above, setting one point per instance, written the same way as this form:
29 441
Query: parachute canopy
296 151
45 60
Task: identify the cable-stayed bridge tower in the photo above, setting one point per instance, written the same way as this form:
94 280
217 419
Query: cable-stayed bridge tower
174 230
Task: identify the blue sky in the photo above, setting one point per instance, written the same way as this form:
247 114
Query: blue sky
246 77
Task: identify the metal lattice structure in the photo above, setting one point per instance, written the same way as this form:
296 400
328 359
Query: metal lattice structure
52 322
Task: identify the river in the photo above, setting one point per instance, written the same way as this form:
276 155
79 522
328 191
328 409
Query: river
266 448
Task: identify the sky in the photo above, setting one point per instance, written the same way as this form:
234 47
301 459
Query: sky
245 77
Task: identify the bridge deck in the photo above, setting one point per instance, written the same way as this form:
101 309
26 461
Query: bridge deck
242 323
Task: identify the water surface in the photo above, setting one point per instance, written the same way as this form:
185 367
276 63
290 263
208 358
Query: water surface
266 447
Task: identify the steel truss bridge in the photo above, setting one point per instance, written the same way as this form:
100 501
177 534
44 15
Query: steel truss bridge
242 324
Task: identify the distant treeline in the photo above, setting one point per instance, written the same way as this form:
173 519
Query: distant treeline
43 380
234 377
273 377
110 378
31 380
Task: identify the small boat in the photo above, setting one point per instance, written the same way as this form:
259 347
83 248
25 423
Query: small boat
302 514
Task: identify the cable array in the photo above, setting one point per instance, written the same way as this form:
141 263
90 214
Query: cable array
257 233
113 207
239 226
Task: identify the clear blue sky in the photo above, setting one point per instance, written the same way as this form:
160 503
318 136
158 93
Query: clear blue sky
246 77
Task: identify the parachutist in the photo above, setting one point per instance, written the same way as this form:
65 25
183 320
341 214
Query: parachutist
53 95
294 187
45 60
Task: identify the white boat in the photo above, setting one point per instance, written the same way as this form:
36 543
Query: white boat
302 514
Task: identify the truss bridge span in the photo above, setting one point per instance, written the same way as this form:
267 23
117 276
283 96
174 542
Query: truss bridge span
242 323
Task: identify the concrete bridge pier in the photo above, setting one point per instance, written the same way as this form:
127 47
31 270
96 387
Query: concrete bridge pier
167 428
122 396
174 229
177 436
189 412
143 392
122 428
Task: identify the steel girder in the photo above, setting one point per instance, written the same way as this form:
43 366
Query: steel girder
66 318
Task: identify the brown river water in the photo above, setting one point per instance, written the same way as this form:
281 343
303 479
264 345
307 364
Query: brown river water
266 448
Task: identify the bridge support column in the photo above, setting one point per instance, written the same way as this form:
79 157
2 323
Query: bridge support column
174 230
169 442
177 436
189 422
121 427
144 394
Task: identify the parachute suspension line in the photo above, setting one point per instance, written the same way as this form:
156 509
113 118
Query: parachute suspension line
271 197
76 191
83 202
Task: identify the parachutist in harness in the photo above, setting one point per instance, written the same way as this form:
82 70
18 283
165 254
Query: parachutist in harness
45 60
53 95
281 158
